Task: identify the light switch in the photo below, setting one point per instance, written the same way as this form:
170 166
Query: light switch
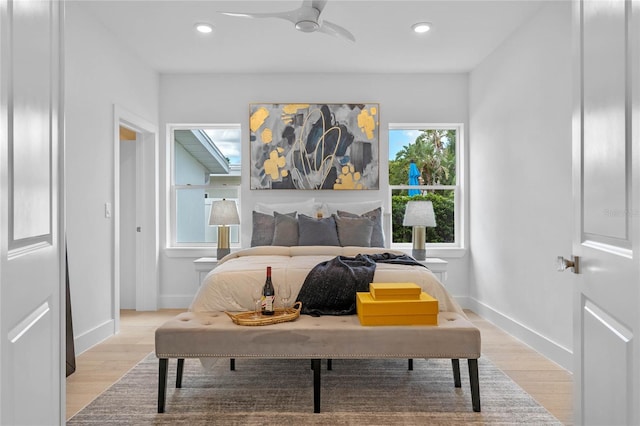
107 210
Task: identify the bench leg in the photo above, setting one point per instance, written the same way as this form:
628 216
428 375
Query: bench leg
410 367
162 383
455 363
232 364
179 373
315 364
329 364
475 384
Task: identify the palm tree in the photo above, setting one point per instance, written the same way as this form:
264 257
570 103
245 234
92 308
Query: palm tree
432 152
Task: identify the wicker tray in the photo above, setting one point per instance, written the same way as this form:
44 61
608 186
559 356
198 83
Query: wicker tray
279 315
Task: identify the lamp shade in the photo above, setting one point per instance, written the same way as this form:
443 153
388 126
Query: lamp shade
419 213
224 212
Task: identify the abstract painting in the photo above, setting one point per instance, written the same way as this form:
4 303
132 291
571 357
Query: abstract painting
314 146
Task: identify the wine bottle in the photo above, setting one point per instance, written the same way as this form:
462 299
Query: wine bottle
268 294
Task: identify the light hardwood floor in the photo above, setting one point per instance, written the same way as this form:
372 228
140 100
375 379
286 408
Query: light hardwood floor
101 366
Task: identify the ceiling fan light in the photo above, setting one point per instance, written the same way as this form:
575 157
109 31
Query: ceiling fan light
307 26
421 27
204 28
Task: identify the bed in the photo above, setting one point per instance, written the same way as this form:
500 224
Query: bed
228 286
206 333
294 244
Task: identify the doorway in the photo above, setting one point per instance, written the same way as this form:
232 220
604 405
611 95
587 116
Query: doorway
135 220
130 141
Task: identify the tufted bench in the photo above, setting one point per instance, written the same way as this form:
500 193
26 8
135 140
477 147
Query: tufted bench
213 334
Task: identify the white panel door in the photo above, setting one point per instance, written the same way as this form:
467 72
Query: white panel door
31 212
606 193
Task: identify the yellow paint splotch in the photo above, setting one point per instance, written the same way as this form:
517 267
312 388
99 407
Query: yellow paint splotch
293 108
366 123
257 118
274 163
267 136
289 112
348 179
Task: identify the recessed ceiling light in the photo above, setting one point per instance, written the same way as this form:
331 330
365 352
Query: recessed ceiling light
204 28
421 27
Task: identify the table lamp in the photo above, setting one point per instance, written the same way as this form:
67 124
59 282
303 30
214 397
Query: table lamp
223 213
419 214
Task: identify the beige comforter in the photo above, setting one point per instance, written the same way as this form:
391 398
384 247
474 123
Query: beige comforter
228 287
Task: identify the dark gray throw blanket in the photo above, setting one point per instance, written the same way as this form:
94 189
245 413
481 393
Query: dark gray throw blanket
330 287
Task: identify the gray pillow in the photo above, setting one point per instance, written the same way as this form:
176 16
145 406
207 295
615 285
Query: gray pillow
286 230
354 231
377 235
263 227
317 232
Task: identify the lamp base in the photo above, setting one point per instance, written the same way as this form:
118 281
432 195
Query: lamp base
222 252
419 254
223 242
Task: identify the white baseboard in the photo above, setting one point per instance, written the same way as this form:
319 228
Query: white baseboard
175 301
550 349
94 336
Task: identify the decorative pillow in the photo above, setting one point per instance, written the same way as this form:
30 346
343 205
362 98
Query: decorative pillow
317 232
354 231
285 232
263 228
377 235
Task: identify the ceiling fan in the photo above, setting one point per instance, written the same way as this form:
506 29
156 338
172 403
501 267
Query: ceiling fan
306 18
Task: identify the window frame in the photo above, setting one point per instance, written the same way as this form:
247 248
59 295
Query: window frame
174 248
457 248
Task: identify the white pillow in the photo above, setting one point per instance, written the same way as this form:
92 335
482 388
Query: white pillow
356 208
309 207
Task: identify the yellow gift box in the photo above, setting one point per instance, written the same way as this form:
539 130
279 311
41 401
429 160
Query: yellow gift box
395 291
423 311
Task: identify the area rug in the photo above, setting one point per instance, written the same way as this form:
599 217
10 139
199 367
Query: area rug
280 391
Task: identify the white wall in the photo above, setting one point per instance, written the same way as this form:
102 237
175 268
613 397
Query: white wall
520 191
206 98
99 74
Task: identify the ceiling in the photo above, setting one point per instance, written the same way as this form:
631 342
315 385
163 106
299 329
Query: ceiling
162 34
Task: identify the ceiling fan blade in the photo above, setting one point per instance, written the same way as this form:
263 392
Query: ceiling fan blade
290 15
336 30
316 4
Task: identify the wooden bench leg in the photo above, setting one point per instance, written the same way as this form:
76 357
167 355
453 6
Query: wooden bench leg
232 364
179 373
455 363
475 384
410 366
315 364
162 383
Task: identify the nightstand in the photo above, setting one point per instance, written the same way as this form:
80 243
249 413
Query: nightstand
437 266
203 266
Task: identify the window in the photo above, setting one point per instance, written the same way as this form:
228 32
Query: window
434 151
205 166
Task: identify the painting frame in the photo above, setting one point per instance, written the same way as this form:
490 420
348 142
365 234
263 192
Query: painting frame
314 146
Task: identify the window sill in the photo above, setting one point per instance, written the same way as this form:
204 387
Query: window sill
440 252
196 252
193 252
